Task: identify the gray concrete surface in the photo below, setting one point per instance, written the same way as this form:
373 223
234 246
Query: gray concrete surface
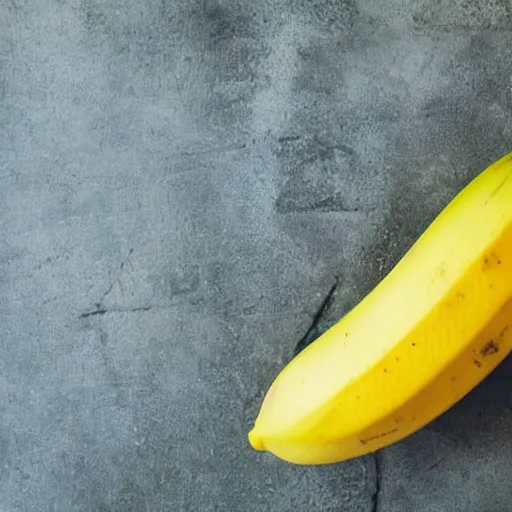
181 182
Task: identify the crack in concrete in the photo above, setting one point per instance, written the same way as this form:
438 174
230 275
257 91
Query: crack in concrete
376 492
116 280
100 308
312 333
104 311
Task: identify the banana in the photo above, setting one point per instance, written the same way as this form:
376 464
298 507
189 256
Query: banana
428 333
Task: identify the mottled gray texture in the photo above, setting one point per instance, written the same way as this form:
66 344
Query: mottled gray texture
181 184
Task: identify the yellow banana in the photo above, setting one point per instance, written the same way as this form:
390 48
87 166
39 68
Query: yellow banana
435 326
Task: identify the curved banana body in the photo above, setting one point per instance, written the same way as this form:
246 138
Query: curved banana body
438 324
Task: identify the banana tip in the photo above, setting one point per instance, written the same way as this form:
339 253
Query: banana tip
256 441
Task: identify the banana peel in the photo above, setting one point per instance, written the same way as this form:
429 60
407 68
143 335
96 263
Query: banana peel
433 328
